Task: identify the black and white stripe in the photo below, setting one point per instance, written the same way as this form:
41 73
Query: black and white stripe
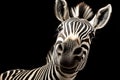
46 72
73 27
76 29
70 52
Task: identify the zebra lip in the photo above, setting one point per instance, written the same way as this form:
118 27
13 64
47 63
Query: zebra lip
68 70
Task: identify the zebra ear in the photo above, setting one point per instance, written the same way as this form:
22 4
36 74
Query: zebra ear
61 10
102 17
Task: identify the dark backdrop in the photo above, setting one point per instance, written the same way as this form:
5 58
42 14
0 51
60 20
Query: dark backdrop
28 32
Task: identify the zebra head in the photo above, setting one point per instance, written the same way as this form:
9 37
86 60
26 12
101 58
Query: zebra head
75 33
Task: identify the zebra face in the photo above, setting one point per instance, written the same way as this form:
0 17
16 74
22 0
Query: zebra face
76 30
73 44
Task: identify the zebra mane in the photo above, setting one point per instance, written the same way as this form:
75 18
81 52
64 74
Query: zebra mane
82 10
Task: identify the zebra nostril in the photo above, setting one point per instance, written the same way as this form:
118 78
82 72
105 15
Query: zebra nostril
59 49
77 51
77 58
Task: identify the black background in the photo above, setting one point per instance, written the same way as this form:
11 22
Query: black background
28 30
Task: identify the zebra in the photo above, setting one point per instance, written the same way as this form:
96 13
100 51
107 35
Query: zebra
70 52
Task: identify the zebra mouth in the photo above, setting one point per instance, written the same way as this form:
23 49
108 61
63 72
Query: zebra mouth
68 70
71 69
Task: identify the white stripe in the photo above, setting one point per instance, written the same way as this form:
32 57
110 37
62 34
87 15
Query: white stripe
32 74
52 72
1 76
7 75
80 29
59 39
66 28
70 28
12 74
62 32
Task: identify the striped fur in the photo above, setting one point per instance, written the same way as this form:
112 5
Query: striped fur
70 52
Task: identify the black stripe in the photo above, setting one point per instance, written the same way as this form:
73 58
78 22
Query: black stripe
4 75
60 72
72 26
54 73
65 30
16 72
76 25
19 75
10 74
80 26
28 75
84 46
51 75
23 75
83 32
35 74
86 40
68 28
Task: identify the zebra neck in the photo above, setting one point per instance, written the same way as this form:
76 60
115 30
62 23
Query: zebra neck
51 72
49 58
